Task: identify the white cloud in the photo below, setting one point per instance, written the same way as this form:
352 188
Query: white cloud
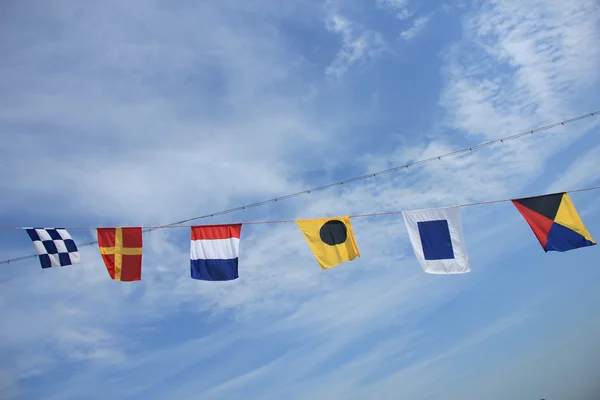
494 86
581 172
400 7
417 28
522 65
358 43
170 118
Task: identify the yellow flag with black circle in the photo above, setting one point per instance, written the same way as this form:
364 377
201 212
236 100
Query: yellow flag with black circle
330 239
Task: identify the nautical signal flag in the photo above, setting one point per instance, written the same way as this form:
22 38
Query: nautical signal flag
121 250
54 247
437 239
214 252
330 239
554 221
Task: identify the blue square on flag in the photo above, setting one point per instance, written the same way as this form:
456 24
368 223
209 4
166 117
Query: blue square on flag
435 239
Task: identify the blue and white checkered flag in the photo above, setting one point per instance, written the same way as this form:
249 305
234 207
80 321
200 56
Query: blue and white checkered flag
54 247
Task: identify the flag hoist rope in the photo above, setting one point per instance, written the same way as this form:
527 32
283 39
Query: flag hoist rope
178 224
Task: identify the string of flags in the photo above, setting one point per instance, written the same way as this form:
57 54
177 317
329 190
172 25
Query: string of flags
436 236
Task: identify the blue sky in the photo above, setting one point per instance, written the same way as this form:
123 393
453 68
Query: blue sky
143 113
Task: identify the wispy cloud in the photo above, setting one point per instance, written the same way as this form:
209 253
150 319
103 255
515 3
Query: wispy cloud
494 86
177 116
400 7
521 61
417 28
359 44
581 172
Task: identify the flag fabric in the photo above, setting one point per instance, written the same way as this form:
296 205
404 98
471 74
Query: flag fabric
214 252
54 247
554 221
121 250
330 239
437 239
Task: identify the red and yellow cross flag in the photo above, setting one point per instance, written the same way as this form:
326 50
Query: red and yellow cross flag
121 250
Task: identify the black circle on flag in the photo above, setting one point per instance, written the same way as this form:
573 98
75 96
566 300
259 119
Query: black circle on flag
333 232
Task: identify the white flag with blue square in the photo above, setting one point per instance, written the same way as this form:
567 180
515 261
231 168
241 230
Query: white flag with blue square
437 239
54 247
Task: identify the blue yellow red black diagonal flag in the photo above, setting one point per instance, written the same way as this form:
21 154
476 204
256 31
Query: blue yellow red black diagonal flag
554 221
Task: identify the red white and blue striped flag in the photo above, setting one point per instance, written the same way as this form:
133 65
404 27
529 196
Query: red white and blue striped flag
214 252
